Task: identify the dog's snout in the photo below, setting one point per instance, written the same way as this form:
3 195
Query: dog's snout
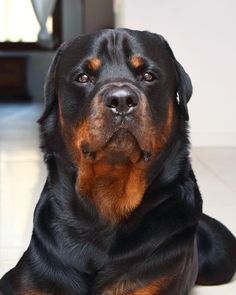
121 100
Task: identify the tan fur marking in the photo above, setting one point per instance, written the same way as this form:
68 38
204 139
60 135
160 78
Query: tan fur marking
166 131
131 288
136 61
116 189
153 288
61 119
94 64
120 288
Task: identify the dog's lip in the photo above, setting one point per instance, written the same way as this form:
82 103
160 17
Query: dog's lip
91 153
109 138
125 131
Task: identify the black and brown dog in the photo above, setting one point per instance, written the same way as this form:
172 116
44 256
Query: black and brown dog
120 213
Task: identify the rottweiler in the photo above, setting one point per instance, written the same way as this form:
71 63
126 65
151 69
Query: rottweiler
121 211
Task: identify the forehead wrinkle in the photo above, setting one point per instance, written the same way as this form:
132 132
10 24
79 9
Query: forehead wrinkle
112 47
102 47
117 48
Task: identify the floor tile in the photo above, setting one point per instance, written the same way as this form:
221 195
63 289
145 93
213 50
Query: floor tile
221 162
219 200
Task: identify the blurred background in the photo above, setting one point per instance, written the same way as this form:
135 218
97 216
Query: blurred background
202 35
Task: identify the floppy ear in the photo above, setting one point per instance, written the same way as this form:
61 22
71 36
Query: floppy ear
184 89
184 84
50 95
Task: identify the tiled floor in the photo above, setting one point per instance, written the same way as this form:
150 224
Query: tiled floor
22 175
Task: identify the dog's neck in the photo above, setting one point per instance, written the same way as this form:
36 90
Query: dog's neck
115 190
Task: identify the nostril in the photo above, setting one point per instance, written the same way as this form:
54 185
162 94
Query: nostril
130 102
114 103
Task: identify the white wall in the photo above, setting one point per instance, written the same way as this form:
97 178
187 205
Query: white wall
202 35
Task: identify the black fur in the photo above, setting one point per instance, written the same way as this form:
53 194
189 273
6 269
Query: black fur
73 251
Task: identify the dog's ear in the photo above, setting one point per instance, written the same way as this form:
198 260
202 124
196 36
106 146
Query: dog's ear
184 85
50 95
184 90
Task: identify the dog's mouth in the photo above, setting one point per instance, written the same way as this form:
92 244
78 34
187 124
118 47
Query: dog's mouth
123 146
120 147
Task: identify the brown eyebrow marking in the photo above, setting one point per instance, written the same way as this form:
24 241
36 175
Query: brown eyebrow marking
94 64
136 61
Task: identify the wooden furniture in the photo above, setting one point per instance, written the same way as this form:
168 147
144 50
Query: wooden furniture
13 79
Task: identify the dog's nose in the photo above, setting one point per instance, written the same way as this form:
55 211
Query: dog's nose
121 100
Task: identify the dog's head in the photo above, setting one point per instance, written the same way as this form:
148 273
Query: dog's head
117 95
114 97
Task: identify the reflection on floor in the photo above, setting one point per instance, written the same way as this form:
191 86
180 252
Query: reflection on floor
22 175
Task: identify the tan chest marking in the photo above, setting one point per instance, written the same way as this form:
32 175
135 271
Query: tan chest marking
115 190
128 288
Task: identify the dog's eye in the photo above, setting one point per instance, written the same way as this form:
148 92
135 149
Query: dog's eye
148 77
82 78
